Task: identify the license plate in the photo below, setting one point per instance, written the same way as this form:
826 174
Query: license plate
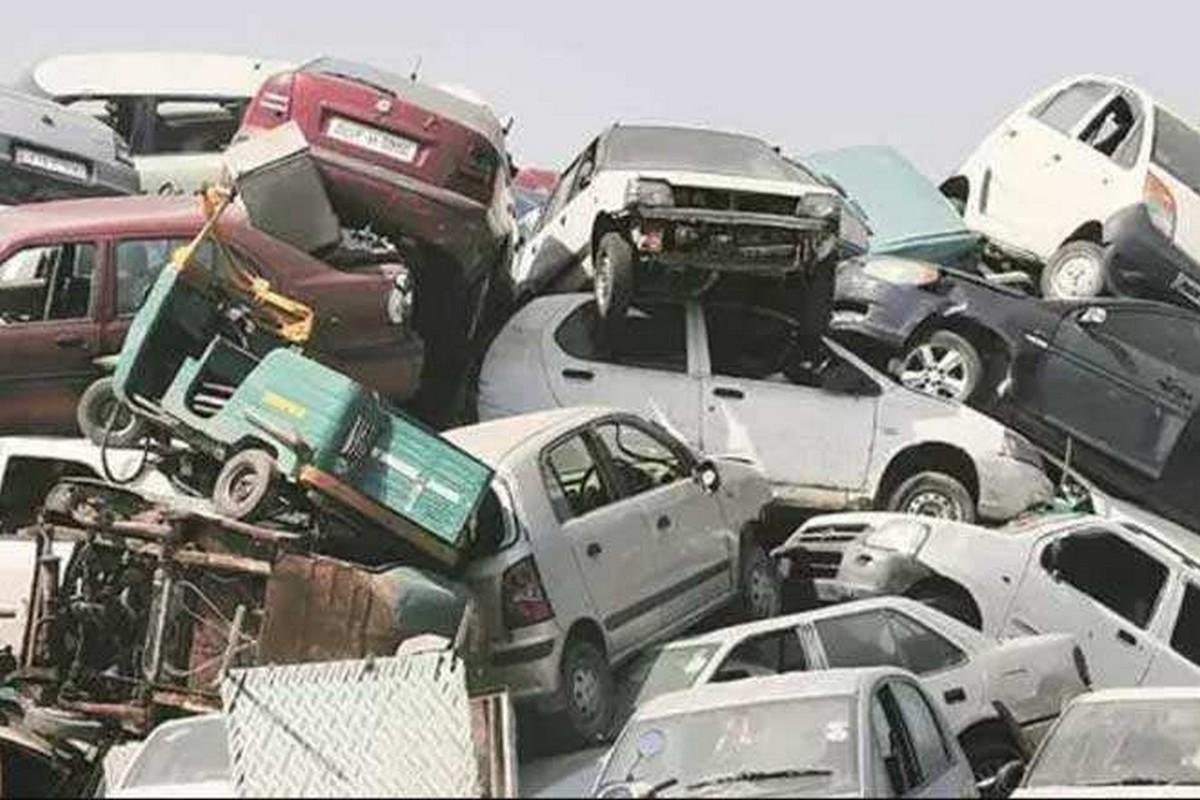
373 139
48 163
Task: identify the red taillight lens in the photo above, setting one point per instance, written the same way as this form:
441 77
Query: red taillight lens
273 103
1160 204
524 599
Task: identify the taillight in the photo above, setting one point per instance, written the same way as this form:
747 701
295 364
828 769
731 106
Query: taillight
1160 205
273 103
1081 667
523 597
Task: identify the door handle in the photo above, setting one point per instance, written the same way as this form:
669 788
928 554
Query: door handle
578 374
732 394
1127 638
69 341
8 612
955 695
663 522
594 550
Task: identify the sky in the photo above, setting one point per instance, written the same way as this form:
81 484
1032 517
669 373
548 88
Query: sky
929 78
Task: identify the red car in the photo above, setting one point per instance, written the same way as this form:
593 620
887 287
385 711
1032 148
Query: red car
74 272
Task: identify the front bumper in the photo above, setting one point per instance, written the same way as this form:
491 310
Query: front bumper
882 312
1140 260
1008 487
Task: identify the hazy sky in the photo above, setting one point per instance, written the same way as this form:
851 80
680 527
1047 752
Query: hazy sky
928 78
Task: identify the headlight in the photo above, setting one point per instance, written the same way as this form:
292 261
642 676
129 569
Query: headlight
902 271
1160 205
649 193
819 205
1017 447
900 537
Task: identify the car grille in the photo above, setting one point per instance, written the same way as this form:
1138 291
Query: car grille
722 200
825 546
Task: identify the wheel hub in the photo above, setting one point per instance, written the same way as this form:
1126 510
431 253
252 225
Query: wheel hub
762 593
933 504
1078 276
585 692
937 370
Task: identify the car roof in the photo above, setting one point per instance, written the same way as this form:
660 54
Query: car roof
493 441
755 691
1139 693
99 215
168 73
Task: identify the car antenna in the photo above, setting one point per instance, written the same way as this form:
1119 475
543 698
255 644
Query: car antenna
1066 471
412 76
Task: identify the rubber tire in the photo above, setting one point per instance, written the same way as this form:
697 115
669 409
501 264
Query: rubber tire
1061 255
970 355
931 481
755 558
262 466
989 749
92 415
580 653
615 251
954 603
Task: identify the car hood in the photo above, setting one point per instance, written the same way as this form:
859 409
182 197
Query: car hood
1108 791
737 183
906 212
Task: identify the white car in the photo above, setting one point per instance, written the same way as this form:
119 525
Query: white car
603 534
834 435
186 757
1126 585
177 110
1047 179
839 733
1031 677
1121 743
668 208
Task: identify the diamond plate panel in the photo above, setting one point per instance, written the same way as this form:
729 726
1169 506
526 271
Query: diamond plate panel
375 727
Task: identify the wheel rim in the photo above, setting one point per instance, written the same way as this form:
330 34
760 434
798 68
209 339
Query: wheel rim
585 693
939 370
603 282
1078 275
242 483
124 422
762 593
933 504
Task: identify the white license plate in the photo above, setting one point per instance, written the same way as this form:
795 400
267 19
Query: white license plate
49 163
373 139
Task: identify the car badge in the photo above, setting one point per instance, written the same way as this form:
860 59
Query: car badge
383 105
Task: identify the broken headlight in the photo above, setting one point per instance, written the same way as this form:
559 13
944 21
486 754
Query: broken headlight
1018 448
820 205
904 537
649 193
902 271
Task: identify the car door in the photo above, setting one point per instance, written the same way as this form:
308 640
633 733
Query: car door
135 264
913 753
564 229
49 336
1176 660
1138 364
807 427
1098 586
645 364
693 545
614 552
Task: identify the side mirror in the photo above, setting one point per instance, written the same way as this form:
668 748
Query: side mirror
707 477
1004 782
1093 316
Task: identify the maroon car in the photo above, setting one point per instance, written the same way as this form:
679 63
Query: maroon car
74 272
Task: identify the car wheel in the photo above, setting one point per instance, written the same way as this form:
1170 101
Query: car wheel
244 486
944 365
988 750
1076 270
933 494
612 280
96 405
761 593
587 689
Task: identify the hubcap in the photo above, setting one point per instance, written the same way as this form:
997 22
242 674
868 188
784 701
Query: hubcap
1078 276
585 693
762 593
937 370
933 504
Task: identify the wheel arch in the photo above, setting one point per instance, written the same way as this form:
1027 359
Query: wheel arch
587 629
1090 231
604 223
929 456
997 352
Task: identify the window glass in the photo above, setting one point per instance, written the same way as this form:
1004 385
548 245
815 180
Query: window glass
153 126
928 742
1115 123
576 483
1111 571
652 337
1168 338
641 461
892 742
48 282
771 653
1064 110
921 649
859 640
745 343
1186 638
1176 148
138 263
558 198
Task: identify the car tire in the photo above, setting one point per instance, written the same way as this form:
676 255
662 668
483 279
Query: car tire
760 593
933 494
244 487
944 364
94 409
989 749
587 689
612 279
1075 271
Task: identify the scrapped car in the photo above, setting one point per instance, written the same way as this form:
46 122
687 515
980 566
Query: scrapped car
1125 585
731 379
1030 677
1121 743
48 152
604 534
176 110
1044 182
186 757
657 209
839 733
74 273
1140 260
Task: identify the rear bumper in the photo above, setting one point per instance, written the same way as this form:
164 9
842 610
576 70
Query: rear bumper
1139 260
20 183
527 664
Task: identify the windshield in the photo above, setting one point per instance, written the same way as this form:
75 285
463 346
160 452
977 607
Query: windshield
675 668
703 750
1110 743
1176 148
699 151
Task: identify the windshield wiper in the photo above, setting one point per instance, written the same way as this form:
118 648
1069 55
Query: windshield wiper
1137 780
754 776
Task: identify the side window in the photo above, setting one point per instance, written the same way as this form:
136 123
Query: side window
1186 638
587 169
1064 110
138 263
1115 123
1111 571
47 282
744 343
653 337
1171 339
859 640
898 760
923 650
641 460
575 482
771 653
925 734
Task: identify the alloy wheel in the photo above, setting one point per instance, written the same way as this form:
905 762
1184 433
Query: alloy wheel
937 370
933 504
1079 276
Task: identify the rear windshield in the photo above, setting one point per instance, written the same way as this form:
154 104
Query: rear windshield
699 151
1177 148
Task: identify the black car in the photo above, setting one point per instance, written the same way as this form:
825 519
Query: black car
1118 378
1142 260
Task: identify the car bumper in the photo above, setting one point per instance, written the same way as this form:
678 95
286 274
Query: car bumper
805 583
527 665
21 184
1140 260
885 313
1008 487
